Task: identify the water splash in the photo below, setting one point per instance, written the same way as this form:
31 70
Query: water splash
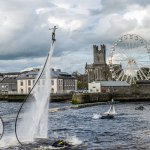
73 140
1 128
8 141
33 121
96 116
47 148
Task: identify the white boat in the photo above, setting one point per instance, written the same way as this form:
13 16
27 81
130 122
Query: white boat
110 113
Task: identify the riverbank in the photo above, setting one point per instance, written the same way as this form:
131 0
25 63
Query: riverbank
78 106
21 97
81 98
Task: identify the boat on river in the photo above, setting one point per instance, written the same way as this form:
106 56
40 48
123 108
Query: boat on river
110 113
141 107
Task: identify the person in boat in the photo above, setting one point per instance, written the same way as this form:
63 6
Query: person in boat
141 107
110 113
107 116
61 143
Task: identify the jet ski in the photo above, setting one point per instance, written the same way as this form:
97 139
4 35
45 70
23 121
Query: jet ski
61 143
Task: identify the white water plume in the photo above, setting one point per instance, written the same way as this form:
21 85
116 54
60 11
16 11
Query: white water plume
96 116
73 140
8 140
1 128
33 120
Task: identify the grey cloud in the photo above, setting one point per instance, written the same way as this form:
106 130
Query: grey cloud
120 6
26 35
95 11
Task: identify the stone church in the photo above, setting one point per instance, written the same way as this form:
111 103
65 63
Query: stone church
98 71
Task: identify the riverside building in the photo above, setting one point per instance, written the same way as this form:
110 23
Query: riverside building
61 82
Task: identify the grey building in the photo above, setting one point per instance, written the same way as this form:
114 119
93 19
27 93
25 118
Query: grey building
8 85
64 82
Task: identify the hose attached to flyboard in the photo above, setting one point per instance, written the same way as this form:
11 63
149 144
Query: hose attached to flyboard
2 119
52 46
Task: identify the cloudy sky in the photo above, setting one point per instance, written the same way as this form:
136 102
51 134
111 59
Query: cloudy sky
25 38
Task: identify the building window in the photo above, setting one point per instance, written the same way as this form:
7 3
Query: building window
21 90
52 82
52 90
21 83
29 82
29 89
33 81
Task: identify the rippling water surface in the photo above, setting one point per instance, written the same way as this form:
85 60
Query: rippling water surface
129 130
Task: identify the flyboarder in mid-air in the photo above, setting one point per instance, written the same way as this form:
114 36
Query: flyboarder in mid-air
53 33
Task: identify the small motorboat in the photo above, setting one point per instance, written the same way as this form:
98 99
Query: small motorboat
107 116
141 107
110 113
61 143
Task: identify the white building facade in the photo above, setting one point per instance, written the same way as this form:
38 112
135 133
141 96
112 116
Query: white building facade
108 86
61 82
94 87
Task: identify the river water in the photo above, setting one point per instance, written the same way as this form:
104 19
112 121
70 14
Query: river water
130 130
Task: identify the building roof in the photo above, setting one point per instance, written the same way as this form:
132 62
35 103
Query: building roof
113 83
28 75
9 80
10 73
54 73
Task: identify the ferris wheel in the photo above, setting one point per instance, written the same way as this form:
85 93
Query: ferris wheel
130 59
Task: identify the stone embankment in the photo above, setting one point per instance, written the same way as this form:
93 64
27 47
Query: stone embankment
21 97
81 98
53 110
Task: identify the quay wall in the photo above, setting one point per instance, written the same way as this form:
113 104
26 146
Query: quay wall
81 98
21 97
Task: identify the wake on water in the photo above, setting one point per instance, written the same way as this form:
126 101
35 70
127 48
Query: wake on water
96 116
72 140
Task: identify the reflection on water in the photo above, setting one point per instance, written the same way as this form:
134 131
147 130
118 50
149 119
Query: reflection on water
129 130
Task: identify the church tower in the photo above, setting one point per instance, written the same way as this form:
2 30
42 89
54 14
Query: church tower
99 55
98 70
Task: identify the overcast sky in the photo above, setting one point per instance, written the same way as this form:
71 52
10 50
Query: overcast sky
25 38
